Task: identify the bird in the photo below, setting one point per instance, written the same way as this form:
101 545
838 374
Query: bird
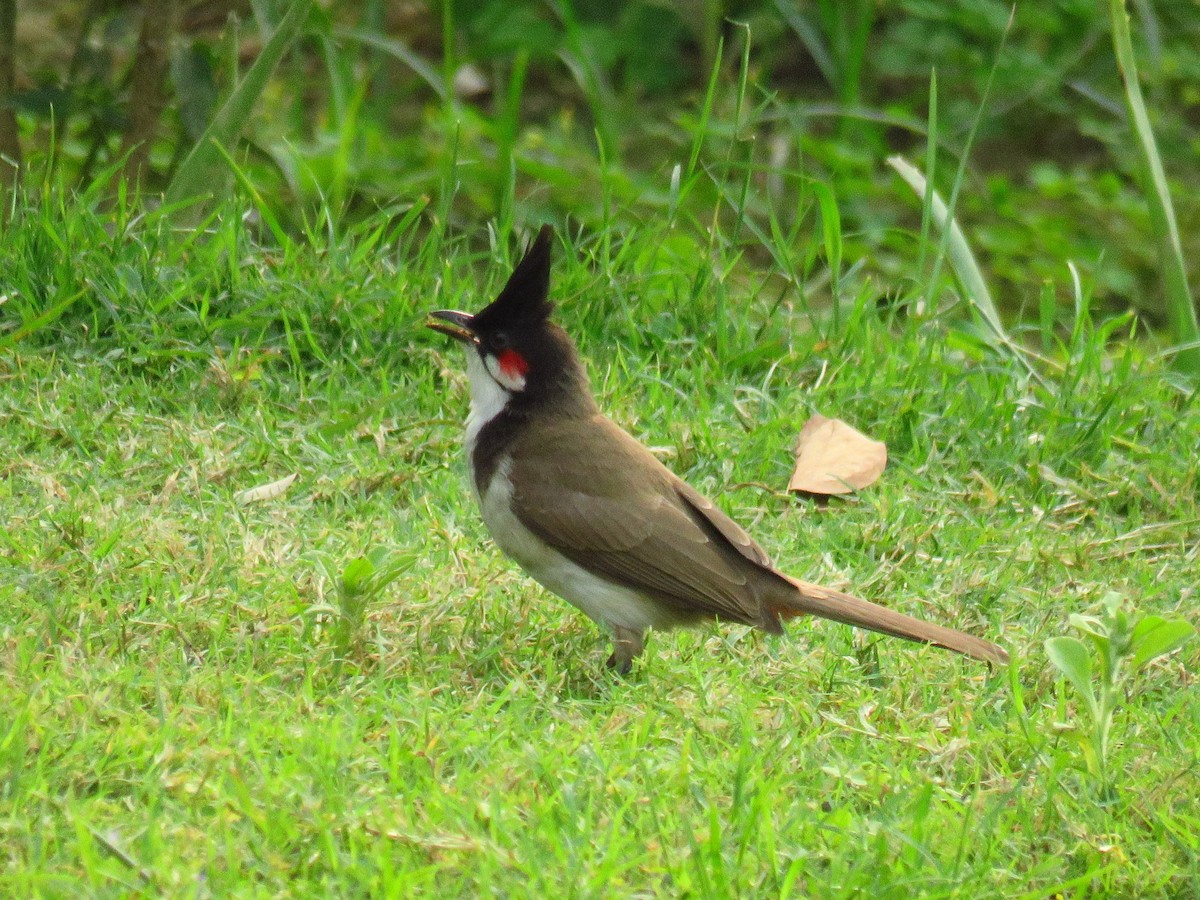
593 516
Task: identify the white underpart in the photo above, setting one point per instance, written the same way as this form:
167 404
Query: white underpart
602 601
488 398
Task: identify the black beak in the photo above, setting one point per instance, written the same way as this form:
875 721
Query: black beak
455 324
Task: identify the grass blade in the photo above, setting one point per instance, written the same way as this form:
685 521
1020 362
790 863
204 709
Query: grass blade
47 318
959 251
962 260
1181 310
397 49
195 175
831 229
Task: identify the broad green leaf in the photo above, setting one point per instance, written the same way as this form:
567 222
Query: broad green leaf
389 565
1071 657
356 573
1097 633
1155 636
1114 605
1088 625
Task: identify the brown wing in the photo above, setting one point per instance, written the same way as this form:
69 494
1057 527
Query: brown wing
621 513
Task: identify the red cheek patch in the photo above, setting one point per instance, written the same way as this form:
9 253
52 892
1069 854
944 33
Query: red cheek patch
513 365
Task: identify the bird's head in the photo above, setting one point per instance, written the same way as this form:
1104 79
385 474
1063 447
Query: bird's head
512 339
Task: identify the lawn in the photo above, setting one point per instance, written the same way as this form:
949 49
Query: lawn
254 639
337 686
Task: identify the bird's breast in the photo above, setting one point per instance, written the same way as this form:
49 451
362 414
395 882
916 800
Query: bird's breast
601 600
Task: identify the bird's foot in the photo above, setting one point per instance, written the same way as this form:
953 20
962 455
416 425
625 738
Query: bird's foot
628 644
620 666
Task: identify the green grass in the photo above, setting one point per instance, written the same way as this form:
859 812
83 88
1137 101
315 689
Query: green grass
178 719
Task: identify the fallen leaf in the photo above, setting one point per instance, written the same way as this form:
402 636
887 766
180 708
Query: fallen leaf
834 458
265 491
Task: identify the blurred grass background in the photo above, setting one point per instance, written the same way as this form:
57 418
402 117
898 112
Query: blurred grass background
619 115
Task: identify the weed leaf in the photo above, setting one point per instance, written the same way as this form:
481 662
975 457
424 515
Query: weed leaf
1155 636
1071 657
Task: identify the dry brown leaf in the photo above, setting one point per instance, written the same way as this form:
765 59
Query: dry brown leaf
265 491
834 458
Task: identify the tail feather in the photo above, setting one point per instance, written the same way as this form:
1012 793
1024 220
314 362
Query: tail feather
850 610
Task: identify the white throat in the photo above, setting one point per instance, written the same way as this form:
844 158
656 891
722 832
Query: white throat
488 398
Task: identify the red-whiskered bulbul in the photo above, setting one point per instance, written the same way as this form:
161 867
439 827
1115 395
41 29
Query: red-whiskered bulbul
593 516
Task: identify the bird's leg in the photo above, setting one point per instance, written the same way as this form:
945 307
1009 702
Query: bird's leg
628 643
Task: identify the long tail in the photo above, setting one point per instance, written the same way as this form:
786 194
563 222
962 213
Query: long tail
851 610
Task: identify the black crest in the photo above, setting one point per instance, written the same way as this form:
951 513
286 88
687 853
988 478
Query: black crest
525 296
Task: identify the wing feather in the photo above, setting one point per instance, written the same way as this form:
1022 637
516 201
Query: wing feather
627 517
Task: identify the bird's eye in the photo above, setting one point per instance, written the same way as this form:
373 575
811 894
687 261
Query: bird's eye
500 340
